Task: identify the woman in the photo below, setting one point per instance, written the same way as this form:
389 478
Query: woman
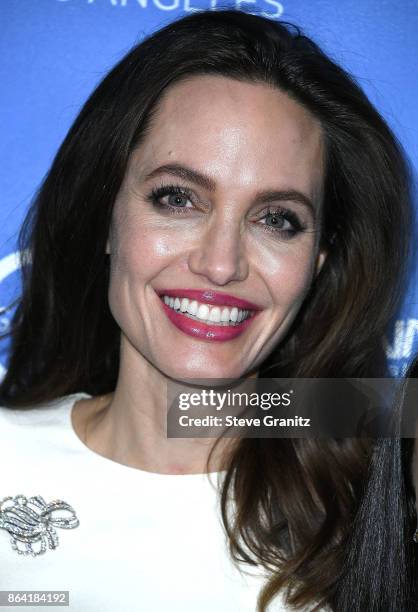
227 204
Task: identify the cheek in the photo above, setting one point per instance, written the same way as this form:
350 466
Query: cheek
140 254
289 272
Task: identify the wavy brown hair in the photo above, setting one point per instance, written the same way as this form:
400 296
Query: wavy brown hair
296 499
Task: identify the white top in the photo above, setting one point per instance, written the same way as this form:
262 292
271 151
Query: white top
147 542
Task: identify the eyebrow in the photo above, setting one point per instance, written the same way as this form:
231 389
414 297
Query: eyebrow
272 195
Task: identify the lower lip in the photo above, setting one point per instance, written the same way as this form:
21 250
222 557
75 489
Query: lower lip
211 333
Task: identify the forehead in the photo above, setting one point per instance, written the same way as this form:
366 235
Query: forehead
238 132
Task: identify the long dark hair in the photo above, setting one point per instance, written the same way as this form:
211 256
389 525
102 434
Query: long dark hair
295 499
381 546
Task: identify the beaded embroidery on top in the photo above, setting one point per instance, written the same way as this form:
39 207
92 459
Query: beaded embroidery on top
31 522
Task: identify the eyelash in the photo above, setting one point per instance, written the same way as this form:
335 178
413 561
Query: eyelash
159 192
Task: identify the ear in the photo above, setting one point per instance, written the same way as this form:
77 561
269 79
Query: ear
320 260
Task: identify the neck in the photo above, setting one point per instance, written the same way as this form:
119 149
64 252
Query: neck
129 426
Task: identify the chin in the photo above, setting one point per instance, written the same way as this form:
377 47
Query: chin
217 375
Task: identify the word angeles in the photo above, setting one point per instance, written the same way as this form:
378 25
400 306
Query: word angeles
275 9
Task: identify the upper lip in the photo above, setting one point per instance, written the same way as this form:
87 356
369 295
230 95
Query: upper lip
208 296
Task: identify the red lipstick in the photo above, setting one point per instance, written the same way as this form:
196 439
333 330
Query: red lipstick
208 296
208 331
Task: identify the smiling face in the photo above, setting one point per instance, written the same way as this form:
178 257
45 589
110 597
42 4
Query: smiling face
222 196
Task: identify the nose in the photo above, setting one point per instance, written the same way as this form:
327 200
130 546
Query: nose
220 254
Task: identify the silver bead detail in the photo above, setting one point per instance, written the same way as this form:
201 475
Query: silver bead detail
31 521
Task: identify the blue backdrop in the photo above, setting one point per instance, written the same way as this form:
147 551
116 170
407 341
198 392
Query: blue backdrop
53 53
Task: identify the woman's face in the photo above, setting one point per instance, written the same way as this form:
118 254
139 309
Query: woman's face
219 210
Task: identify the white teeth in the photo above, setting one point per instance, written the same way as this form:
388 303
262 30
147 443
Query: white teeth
225 315
184 303
206 312
203 312
192 308
215 315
